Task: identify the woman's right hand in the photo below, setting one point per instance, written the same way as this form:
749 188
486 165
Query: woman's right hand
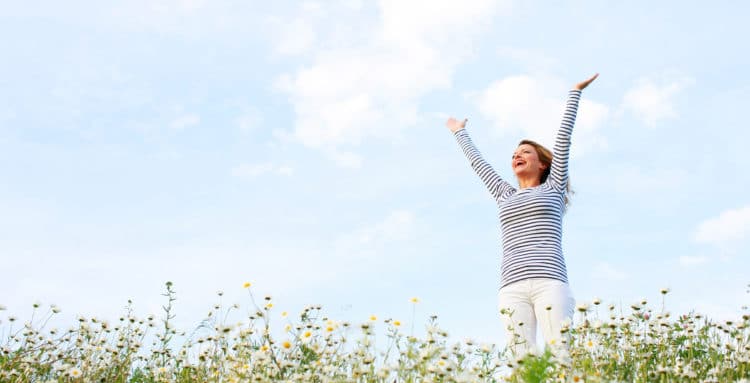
584 84
456 125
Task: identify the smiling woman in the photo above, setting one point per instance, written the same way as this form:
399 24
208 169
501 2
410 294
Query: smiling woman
542 155
534 283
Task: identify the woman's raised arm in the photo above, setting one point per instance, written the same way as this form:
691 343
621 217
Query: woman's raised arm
498 187
561 152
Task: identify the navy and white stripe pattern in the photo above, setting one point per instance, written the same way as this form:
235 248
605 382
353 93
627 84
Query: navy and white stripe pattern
530 218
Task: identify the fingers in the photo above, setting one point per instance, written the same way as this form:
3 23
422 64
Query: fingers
451 121
586 83
455 125
589 81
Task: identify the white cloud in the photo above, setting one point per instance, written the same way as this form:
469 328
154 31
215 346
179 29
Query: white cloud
298 37
728 227
521 104
436 19
350 96
255 170
533 106
367 85
185 121
295 35
397 226
651 101
591 117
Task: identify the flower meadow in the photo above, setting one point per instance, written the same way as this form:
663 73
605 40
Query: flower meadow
603 343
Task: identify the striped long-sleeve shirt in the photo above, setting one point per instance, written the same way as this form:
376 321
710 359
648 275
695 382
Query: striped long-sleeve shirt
530 218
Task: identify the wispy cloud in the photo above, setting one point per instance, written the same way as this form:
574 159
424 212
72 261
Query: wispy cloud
728 227
296 35
652 101
397 226
369 85
532 105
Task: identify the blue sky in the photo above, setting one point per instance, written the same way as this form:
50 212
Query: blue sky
302 146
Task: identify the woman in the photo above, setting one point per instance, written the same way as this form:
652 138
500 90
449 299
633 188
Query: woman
534 283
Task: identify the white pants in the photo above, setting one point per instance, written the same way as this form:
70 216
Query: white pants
526 303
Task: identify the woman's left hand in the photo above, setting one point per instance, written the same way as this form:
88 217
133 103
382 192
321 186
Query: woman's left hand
583 85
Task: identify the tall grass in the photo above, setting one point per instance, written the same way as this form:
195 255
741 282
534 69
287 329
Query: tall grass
614 344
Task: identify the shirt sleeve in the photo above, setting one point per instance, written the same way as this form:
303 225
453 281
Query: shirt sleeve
499 188
561 152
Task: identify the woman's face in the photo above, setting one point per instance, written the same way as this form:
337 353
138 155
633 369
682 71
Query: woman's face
526 162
